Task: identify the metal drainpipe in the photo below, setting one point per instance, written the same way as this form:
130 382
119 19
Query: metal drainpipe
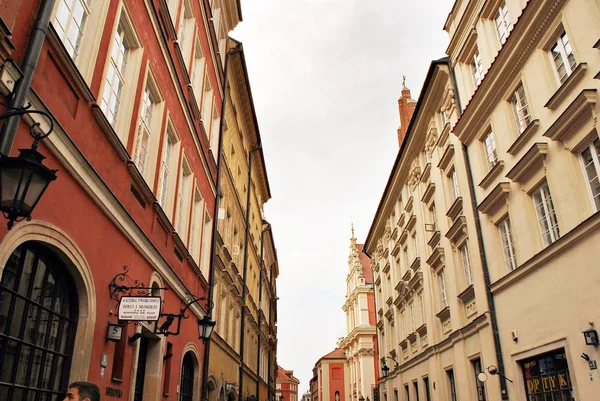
482 254
271 396
260 278
32 55
245 271
213 244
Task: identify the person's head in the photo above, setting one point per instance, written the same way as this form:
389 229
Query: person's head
83 391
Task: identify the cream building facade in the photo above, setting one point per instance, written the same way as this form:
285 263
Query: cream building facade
483 243
243 261
361 337
527 73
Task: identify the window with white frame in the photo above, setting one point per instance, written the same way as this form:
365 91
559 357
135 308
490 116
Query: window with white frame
411 308
520 108
476 68
433 218
508 244
591 166
442 284
183 200
140 151
454 183
185 33
168 164
546 215
115 77
196 226
503 22
466 265
563 57
206 242
444 116
198 72
173 7
206 108
214 131
422 306
69 22
489 145
415 246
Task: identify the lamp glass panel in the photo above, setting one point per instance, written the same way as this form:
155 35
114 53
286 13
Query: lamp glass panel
10 178
22 190
35 191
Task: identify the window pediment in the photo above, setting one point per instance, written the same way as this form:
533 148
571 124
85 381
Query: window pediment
436 259
458 231
576 115
559 96
428 194
530 164
446 159
455 209
495 199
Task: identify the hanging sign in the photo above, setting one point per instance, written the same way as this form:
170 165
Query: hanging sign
139 308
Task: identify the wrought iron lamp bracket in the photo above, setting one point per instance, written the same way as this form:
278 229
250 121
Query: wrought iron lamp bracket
170 317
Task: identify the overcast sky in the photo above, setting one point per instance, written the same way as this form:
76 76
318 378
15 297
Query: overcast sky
326 76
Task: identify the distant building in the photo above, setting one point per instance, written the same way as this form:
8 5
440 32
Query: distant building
327 383
307 396
287 385
360 343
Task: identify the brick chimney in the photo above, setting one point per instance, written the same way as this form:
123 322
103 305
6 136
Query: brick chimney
406 107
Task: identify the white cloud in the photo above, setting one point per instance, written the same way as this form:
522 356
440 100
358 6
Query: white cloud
326 76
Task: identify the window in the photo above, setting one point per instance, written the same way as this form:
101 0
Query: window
198 72
546 215
187 385
563 57
442 281
427 390
115 78
547 377
508 245
464 259
140 152
407 392
183 200
185 34
520 108
444 116
214 131
503 22
491 153
164 169
173 6
432 219
422 306
416 385
206 243
454 183
69 23
206 105
476 68
480 386
591 165
451 384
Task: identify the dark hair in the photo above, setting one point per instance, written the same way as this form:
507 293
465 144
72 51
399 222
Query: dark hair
86 390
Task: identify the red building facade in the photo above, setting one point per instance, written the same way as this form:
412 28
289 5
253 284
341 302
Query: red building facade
287 385
134 88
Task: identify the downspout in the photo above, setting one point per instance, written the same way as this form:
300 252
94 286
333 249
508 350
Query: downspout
30 60
245 271
218 196
260 280
482 254
271 389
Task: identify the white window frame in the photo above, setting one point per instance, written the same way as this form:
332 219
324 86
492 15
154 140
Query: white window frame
443 291
520 108
184 197
196 224
508 244
489 146
466 263
169 162
595 164
546 214
186 32
206 243
198 72
503 23
561 53
68 21
476 68
453 177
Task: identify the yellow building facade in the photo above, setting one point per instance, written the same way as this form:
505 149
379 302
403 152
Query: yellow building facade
246 257
483 245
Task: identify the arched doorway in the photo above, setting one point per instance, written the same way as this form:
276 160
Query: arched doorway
38 318
186 391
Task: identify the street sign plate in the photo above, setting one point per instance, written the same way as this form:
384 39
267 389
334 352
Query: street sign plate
139 308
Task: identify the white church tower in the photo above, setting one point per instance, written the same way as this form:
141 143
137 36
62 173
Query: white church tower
360 341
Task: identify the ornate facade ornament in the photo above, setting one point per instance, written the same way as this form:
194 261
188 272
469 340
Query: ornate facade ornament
431 139
366 352
415 174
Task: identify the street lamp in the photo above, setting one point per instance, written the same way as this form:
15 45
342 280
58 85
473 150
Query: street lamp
385 370
281 397
24 179
206 327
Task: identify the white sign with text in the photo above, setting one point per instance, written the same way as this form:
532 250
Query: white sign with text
139 308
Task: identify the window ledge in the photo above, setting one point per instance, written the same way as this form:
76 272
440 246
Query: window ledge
444 314
179 54
446 158
458 230
141 183
194 265
522 139
436 259
167 22
529 163
574 116
444 135
426 172
428 194
435 239
412 220
467 294
162 218
494 198
179 244
493 173
112 136
559 96
455 209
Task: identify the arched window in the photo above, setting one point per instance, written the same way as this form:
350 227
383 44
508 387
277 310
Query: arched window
38 317
187 378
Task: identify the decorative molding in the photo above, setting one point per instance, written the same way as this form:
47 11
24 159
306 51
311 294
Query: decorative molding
415 174
428 193
458 230
575 115
492 174
559 96
495 198
522 139
446 159
455 209
529 163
